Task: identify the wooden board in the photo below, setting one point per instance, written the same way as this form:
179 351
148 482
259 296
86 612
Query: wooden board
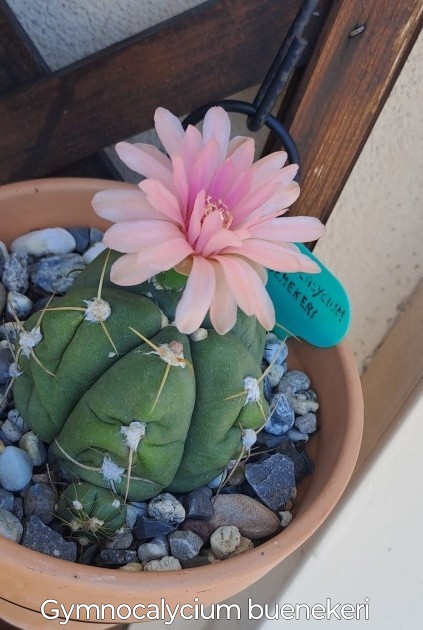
343 90
206 53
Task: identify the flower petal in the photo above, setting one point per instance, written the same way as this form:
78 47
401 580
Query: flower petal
286 229
223 308
194 227
203 170
197 296
164 258
180 182
169 130
119 204
212 224
279 198
243 154
217 125
238 276
221 239
273 256
161 198
192 145
146 160
269 164
126 271
131 236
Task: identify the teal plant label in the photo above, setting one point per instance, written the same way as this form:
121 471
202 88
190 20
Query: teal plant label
311 306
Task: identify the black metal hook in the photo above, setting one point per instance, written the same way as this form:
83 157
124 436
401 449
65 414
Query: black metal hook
258 113
248 109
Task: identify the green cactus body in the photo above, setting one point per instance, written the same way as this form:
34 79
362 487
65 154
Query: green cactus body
91 512
165 412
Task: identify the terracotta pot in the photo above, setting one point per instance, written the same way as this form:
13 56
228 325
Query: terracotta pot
28 578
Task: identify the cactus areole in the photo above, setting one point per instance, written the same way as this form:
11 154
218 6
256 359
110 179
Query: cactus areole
128 402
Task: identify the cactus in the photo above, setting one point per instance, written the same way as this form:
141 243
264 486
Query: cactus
128 402
91 512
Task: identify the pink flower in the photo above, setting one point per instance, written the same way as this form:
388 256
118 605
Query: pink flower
211 213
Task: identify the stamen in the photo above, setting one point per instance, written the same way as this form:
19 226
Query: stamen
213 206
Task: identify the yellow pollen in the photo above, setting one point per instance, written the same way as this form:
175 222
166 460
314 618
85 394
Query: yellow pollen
213 206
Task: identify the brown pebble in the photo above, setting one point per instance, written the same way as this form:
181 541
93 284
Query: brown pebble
204 529
253 519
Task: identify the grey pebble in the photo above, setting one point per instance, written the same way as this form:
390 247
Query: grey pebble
141 507
253 519
40 500
82 238
15 275
18 304
9 331
15 469
131 516
56 274
16 419
297 436
18 510
6 500
303 402
306 423
4 255
96 236
3 293
35 448
282 417
88 554
267 390
273 479
10 432
293 382
153 550
151 528
275 374
198 503
40 537
185 544
121 540
117 557
10 527
165 507
276 351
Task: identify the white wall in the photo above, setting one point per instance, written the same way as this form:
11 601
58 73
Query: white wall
374 236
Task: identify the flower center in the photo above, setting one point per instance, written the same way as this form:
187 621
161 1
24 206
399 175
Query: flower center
218 206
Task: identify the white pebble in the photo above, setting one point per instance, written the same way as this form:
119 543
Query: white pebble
3 248
44 242
165 507
275 374
156 549
297 436
286 518
93 252
225 540
18 304
215 483
168 563
306 423
15 469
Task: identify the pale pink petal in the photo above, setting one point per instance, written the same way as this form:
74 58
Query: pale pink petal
164 257
265 201
269 164
234 143
223 238
265 311
211 224
146 160
194 227
243 155
287 229
180 182
223 180
284 175
277 257
223 308
238 190
162 199
197 296
119 204
126 271
217 125
169 130
192 145
131 236
238 275
203 170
